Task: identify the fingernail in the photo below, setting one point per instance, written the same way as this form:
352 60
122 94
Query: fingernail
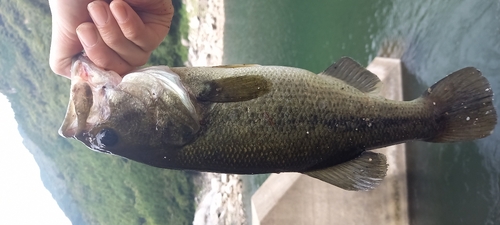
98 13
87 35
119 12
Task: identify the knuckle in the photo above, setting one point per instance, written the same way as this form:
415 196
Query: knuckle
140 39
132 34
57 68
54 67
112 39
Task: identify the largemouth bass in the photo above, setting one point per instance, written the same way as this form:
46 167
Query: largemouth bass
250 119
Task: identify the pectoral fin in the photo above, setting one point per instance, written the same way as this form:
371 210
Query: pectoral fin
235 89
362 173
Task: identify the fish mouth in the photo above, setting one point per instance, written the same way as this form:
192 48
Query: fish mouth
88 102
82 68
80 104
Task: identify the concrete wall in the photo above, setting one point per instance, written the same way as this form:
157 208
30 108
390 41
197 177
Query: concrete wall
293 198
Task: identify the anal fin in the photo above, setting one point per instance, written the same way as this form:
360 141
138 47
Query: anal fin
362 173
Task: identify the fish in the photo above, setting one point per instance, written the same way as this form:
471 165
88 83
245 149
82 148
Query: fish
252 119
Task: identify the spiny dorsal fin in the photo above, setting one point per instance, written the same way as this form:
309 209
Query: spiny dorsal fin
362 173
235 89
351 72
236 65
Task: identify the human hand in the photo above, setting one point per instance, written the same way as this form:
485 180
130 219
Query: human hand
116 35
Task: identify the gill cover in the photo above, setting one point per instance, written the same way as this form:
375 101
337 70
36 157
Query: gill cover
169 102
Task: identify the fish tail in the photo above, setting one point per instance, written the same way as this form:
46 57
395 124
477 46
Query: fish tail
463 106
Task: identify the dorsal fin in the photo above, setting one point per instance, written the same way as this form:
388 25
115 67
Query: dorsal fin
351 72
236 65
362 173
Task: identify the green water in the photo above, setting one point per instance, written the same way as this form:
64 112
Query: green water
448 184
304 34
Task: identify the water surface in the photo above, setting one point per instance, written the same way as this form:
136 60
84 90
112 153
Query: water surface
448 183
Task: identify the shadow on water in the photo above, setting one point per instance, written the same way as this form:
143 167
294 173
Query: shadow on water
448 183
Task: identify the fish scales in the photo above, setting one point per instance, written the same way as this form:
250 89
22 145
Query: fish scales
251 119
303 112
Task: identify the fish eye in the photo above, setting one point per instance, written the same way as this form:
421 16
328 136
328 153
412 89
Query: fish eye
106 138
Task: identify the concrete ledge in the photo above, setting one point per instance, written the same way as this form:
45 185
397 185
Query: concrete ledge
293 198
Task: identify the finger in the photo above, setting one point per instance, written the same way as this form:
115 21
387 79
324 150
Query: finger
64 42
154 7
112 35
146 29
62 50
99 52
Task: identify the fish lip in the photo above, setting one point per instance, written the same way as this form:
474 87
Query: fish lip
79 62
82 57
83 69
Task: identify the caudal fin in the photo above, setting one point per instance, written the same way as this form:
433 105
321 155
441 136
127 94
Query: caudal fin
463 106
